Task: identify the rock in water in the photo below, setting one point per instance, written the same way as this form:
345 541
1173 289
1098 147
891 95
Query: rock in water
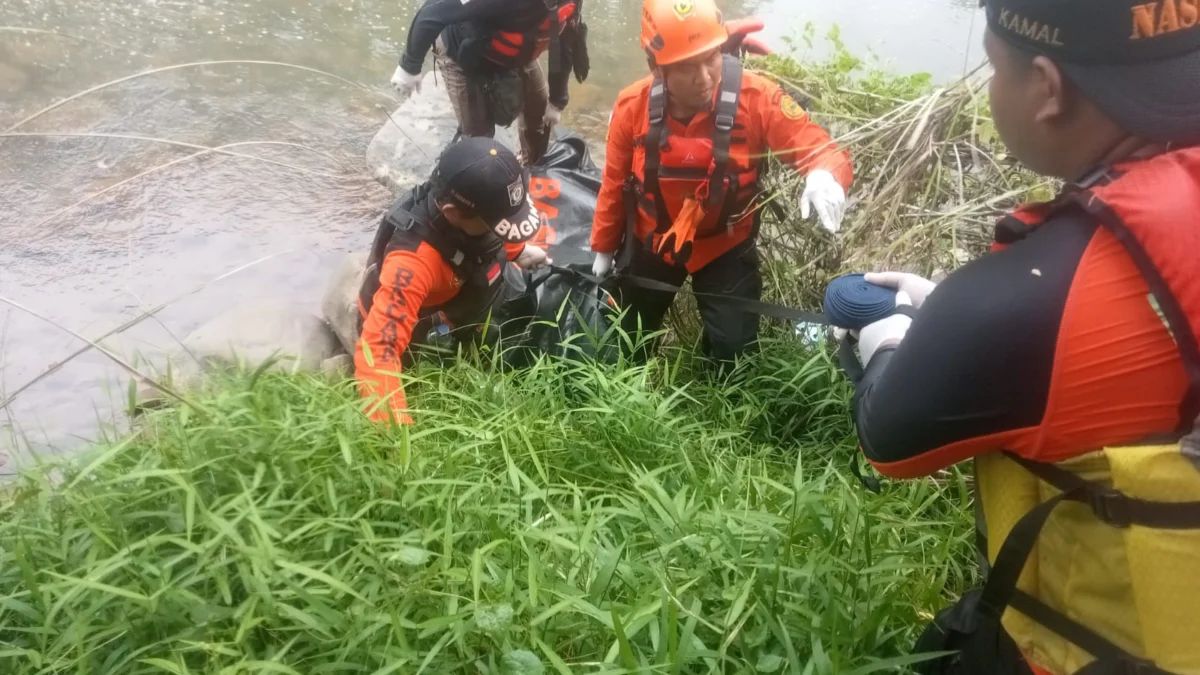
339 367
250 334
403 151
247 336
340 303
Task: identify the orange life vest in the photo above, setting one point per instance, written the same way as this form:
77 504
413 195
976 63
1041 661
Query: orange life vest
1131 609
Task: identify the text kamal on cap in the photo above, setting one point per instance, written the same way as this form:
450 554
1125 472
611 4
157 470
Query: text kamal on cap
1137 61
484 177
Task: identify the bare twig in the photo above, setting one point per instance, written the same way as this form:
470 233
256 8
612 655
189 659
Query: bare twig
122 328
217 150
113 357
39 31
197 64
142 174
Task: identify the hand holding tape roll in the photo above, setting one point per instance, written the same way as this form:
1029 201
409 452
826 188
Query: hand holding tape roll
875 309
852 302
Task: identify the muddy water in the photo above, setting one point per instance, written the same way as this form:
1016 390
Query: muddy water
91 266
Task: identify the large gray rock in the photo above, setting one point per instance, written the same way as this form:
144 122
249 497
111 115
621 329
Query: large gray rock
247 336
403 151
340 303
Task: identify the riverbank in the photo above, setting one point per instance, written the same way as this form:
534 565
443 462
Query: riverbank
537 521
564 518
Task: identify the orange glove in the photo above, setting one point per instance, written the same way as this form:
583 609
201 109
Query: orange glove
675 245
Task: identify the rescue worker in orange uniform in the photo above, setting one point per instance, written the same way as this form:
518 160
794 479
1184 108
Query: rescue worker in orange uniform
438 262
1065 364
686 147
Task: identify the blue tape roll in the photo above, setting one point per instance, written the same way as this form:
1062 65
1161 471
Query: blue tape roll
852 303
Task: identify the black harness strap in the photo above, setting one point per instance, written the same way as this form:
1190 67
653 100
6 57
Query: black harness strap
719 189
624 256
397 218
1114 659
655 139
1185 338
555 40
724 117
743 304
1114 507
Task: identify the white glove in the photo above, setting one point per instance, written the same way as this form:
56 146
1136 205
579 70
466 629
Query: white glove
602 265
532 257
405 83
553 115
824 194
917 288
884 332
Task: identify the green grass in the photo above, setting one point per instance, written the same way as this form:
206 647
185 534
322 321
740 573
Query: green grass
561 518
638 520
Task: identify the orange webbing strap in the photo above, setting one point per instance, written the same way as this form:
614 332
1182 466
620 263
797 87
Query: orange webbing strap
675 245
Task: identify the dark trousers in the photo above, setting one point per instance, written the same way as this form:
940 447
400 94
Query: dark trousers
469 101
728 331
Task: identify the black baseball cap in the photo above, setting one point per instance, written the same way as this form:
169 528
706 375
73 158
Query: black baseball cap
1137 60
484 177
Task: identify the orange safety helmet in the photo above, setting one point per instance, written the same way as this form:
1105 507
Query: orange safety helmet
677 30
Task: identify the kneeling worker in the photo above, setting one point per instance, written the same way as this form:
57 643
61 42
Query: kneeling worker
686 147
438 261
1066 363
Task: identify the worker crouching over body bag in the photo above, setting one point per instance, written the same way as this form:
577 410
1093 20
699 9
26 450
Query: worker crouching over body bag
463 260
1066 362
489 50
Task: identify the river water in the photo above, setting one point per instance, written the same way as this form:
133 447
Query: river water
92 265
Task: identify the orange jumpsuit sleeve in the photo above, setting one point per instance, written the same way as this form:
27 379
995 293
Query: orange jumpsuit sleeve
792 135
608 225
406 279
513 250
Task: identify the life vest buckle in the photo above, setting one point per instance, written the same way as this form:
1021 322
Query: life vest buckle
658 108
1112 507
1130 665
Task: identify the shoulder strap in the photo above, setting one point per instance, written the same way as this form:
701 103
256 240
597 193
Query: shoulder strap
1172 311
397 219
555 39
723 120
655 138
444 242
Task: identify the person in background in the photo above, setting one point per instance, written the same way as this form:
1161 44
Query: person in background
686 147
1066 363
490 51
437 262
